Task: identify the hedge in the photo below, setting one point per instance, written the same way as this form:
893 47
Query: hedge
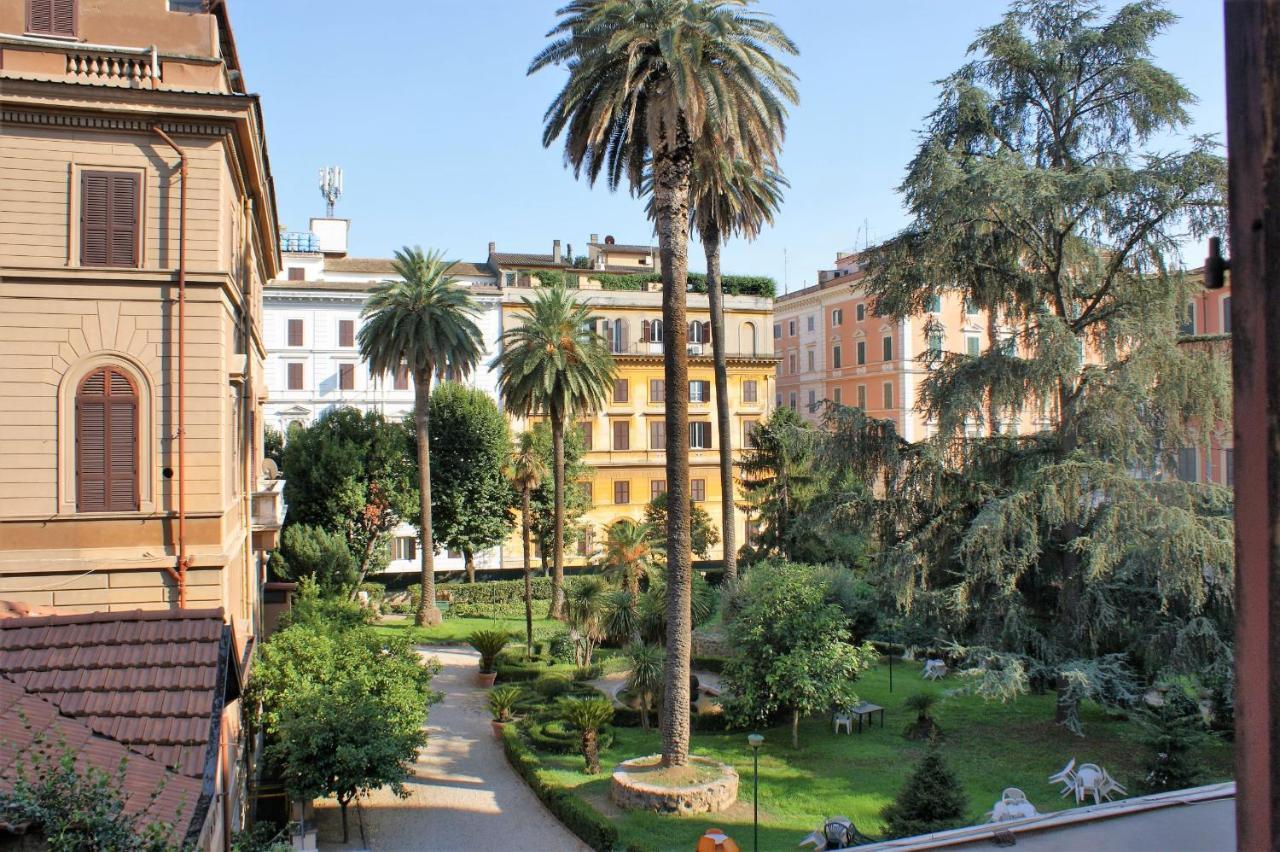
592 827
501 592
734 285
708 664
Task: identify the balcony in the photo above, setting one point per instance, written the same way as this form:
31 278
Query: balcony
655 349
268 514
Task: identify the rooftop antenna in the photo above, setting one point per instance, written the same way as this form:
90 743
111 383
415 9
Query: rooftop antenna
331 187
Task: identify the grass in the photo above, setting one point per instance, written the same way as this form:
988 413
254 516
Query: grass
990 746
454 631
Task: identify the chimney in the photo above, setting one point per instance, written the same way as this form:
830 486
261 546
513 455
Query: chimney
493 247
595 238
555 251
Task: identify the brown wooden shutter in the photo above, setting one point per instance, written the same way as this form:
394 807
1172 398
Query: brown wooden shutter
706 332
621 435
124 220
51 17
296 273
109 216
346 377
295 377
402 378
644 331
94 211
346 333
295 332
107 443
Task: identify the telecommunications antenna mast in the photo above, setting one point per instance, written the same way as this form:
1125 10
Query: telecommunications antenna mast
331 187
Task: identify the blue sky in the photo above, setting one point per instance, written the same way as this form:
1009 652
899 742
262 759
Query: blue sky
427 107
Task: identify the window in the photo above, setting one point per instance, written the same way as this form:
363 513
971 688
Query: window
812 360
972 345
622 492
749 390
1189 324
813 400
586 542
657 390
809 322
699 391
295 376
295 332
620 390
110 210
935 346
791 328
791 362
655 331
587 434
835 396
618 335
401 381
749 428
862 352
51 17
791 400
1226 315
346 377
837 317
657 434
346 333
296 273
862 397
621 435
699 436
509 278
657 487
107 442
933 304
698 490
888 395
888 349
405 548
1187 467
700 332
862 312
777 400
777 330
835 356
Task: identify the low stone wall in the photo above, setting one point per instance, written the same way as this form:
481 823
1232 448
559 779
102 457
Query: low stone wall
629 791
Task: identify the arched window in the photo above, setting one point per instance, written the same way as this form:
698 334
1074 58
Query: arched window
748 341
107 442
655 331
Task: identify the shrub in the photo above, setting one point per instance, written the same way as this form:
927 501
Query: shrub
502 701
589 825
552 685
310 551
1172 732
708 664
588 716
590 672
932 800
924 726
489 643
560 647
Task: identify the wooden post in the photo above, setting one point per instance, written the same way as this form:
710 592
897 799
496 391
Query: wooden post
1253 143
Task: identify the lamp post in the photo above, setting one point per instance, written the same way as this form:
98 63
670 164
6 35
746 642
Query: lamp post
755 740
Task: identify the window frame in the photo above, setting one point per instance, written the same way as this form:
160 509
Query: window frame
704 427
138 178
657 433
750 390
346 369
28 21
698 490
288 375
621 390
622 492
79 400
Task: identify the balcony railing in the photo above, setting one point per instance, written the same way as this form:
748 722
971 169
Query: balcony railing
696 350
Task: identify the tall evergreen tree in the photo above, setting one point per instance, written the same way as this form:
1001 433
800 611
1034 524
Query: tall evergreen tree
778 479
647 78
1067 556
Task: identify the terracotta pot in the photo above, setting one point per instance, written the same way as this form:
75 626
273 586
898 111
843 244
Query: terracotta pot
484 681
497 728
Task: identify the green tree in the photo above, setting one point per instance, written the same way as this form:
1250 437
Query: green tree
527 470
1034 196
586 608
629 553
577 500
703 534
1173 732
470 496
932 800
644 677
350 473
646 80
778 479
81 809
588 715
273 445
789 649
554 364
424 323
309 551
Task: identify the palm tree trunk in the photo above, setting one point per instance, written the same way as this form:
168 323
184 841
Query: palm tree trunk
719 350
428 613
591 751
672 167
557 542
528 568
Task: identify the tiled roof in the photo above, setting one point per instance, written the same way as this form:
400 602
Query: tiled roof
626 249
148 680
518 259
384 266
28 721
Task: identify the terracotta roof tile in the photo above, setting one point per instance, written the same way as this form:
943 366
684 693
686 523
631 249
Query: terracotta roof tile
520 259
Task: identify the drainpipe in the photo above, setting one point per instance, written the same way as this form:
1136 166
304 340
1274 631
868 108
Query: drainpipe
180 575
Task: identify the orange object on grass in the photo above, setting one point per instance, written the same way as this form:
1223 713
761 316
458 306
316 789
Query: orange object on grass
716 840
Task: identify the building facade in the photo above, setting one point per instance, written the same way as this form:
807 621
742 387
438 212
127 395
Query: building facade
137 226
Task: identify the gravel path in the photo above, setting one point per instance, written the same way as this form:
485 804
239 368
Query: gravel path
465 795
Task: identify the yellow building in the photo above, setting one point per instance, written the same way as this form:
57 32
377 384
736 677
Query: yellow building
626 438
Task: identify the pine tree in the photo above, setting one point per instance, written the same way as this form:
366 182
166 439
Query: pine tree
932 800
1172 731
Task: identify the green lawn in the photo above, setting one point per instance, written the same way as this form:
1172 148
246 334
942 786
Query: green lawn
990 746
454 631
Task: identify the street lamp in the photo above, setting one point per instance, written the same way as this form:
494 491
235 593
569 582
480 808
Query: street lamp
755 740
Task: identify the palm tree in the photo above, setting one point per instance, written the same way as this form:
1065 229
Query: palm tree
587 608
526 470
646 78
628 553
729 196
553 362
423 323
644 679
588 715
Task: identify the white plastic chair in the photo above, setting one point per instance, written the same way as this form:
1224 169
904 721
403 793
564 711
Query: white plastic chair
842 719
1066 777
1089 779
1012 795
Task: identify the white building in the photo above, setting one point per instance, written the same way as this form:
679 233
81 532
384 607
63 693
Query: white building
311 317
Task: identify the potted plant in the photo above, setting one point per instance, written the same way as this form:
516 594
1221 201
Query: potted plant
489 643
502 702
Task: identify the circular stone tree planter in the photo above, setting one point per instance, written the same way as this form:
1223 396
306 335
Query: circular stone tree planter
640 784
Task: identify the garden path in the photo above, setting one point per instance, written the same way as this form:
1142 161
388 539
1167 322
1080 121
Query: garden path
464 796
